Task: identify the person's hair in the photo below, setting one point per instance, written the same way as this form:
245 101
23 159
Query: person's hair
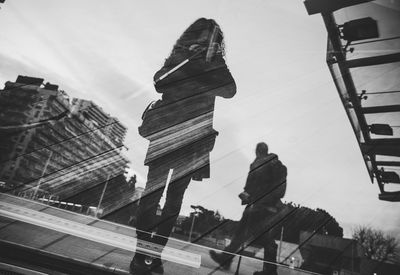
199 33
261 149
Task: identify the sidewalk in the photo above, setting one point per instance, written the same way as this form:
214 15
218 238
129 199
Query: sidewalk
53 238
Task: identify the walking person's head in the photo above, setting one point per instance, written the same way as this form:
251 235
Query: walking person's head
261 149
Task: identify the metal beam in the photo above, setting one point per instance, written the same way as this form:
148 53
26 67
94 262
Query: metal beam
373 60
390 196
381 149
340 58
381 109
326 6
388 163
385 141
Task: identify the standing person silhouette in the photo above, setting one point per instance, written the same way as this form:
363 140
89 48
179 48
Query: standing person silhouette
180 129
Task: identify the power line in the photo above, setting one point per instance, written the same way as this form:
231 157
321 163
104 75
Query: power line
64 168
57 143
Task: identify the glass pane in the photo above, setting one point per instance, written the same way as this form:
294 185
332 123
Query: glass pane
194 138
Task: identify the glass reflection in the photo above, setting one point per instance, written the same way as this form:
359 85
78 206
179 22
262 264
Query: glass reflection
68 188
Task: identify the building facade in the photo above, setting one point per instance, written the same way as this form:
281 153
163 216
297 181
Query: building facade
113 128
50 144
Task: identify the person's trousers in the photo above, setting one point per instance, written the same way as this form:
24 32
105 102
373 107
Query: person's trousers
147 219
254 226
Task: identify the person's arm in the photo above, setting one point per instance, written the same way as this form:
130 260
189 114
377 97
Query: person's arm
245 195
227 91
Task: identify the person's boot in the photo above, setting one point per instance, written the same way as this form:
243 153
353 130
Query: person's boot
224 260
145 265
138 266
157 266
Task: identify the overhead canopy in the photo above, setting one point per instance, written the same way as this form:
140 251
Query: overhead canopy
366 73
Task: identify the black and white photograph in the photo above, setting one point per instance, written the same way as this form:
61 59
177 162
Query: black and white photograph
200 137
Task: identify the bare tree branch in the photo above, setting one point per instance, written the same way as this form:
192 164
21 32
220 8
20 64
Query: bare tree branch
377 245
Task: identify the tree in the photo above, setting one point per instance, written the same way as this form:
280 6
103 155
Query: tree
307 219
304 219
377 245
205 220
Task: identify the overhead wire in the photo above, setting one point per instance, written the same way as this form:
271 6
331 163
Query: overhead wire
60 142
248 243
209 231
222 158
255 200
51 145
80 162
63 141
242 147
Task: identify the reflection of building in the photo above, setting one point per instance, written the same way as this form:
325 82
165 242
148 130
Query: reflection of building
66 157
327 254
333 255
127 213
114 130
372 267
288 254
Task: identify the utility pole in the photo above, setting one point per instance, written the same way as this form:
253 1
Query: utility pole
43 173
195 213
280 246
191 227
102 195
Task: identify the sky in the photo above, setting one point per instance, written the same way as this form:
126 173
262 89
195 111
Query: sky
108 52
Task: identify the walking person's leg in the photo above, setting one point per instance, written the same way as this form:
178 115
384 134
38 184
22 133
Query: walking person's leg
239 237
270 253
269 244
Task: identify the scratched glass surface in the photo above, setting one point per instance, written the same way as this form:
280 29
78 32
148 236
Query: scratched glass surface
199 137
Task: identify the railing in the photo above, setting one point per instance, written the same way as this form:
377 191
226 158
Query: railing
54 200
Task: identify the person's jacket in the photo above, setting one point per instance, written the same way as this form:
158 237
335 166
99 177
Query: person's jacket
266 181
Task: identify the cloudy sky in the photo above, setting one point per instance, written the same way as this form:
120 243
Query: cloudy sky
108 51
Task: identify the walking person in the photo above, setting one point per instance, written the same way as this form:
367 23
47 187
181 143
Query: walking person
265 186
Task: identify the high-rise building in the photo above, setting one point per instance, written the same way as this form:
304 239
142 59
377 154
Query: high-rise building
114 129
50 144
